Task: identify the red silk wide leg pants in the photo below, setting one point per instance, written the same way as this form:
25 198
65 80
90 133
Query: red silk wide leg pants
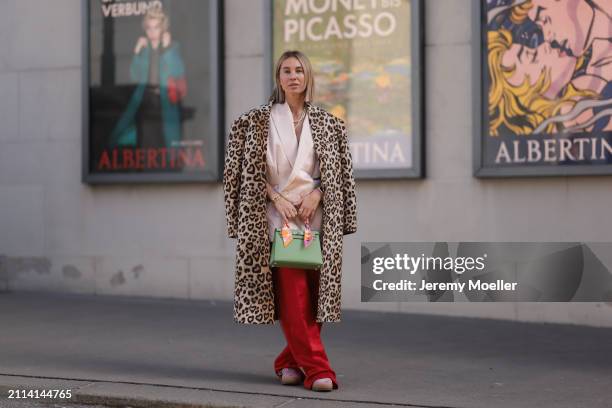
296 294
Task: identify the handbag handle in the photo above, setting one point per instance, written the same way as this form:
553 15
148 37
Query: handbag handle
307 223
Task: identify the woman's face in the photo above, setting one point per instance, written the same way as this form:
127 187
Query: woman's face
530 62
292 77
153 29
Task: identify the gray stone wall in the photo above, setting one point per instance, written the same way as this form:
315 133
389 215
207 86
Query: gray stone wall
169 240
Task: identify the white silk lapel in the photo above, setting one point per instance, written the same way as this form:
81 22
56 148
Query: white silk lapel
283 122
303 153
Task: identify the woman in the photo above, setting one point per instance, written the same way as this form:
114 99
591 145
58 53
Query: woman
152 117
273 158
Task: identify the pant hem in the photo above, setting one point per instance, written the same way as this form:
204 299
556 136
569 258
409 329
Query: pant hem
325 374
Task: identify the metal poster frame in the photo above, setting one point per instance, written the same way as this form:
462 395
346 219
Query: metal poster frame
417 170
481 124
216 99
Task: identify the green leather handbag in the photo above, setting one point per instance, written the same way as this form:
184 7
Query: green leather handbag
295 255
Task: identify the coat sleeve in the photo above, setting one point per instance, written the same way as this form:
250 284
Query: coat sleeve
232 173
348 182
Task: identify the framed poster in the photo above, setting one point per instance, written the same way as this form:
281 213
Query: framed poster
153 101
367 60
544 91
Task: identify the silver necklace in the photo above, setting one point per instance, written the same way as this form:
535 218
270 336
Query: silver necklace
296 123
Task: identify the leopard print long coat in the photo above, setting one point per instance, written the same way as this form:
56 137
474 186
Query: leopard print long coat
244 184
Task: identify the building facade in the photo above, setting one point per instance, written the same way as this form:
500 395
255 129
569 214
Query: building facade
169 240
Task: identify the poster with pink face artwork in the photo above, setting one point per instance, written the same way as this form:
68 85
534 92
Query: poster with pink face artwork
546 88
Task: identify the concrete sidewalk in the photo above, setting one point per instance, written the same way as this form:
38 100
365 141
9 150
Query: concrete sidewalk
152 352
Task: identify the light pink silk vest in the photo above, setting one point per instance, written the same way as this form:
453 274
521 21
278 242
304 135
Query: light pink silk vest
292 167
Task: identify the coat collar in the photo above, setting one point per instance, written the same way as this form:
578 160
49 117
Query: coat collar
309 106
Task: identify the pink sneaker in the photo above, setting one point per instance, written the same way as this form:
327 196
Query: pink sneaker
291 376
323 384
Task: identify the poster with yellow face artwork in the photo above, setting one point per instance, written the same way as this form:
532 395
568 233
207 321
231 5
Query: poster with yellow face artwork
546 87
366 62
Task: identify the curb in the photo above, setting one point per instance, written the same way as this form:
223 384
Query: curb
121 394
144 395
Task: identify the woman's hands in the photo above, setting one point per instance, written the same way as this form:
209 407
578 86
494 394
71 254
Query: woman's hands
309 205
140 44
285 208
305 209
166 39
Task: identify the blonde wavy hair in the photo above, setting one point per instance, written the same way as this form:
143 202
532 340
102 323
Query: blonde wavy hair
520 108
278 95
156 13
519 14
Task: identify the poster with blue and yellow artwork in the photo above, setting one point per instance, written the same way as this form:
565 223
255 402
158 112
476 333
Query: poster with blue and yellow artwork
366 61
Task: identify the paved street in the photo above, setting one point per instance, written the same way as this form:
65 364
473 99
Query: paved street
151 352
